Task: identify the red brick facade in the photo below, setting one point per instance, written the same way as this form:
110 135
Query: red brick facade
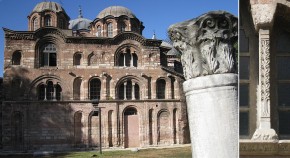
48 105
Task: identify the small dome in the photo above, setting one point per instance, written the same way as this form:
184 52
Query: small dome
116 11
79 24
53 6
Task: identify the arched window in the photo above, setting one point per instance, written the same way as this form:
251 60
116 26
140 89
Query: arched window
49 91
48 55
35 24
77 59
135 60
127 58
130 111
122 27
16 58
99 31
137 92
47 20
95 89
77 88
110 30
129 91
160 88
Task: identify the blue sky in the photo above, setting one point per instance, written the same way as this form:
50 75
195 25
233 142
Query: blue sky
157 15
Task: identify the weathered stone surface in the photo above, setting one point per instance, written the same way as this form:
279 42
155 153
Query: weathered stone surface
209 66
213 115
206 44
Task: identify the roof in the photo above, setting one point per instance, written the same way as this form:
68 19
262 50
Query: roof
52 6
79 24
116 11
172 50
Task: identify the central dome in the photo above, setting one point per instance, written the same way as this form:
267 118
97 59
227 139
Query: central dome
116 11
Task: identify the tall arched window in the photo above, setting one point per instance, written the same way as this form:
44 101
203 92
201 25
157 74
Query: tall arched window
16 58
77 59
35 24
110 30
77 88
95 89
48 55
160 88
47 20
127 57
99 31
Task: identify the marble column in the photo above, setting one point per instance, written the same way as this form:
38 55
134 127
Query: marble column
211 82
133 91
45 91
125 87
264 130
54 93
263 24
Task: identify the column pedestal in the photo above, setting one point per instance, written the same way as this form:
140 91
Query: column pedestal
212 103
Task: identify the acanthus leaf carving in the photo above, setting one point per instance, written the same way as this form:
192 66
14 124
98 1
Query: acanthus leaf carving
206 44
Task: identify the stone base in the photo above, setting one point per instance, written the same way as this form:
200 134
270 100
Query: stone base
265 135
213 115
267 149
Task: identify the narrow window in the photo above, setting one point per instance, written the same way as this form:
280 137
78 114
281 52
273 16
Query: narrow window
110 30
122 27
49 91
95 89
137 91
160 89
77 59
35 24
47 20
99 31
16 58
58 92
48 55
129 90
41 92
135 60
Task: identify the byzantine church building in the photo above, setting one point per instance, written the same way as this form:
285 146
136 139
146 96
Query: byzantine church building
56 70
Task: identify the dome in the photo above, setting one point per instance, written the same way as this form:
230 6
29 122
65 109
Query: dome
116 11
53 6
79 24
173 52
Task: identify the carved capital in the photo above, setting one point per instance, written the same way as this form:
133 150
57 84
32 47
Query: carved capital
263 15
206 44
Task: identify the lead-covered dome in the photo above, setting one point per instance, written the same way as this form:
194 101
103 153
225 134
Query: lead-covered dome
79 24
52 6
116 11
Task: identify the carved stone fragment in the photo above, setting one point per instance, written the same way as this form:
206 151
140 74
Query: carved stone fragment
206 43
